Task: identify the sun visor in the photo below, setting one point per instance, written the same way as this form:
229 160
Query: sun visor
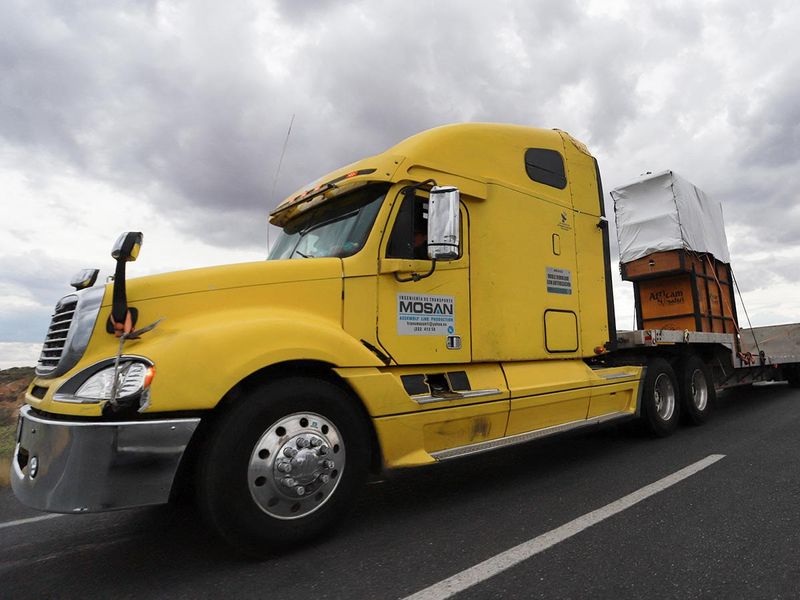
664 211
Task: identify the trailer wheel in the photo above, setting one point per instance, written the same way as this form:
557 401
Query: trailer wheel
697 391
793 376
282 465
660 409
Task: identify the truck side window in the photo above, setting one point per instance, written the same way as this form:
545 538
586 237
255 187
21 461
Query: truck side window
546 166
409 237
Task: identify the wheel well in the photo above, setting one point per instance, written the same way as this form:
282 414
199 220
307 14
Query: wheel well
303 368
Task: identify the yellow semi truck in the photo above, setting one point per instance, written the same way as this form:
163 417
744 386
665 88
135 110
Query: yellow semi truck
447 297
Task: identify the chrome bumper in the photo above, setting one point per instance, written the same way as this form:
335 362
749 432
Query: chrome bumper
79 466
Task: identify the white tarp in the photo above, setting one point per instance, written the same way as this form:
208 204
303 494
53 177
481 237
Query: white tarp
663 211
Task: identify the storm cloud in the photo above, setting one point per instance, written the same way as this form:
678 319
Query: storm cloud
185 105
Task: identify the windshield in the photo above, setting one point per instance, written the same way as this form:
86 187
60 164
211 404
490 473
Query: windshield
338 227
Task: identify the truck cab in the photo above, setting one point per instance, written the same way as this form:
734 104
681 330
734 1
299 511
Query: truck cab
446 297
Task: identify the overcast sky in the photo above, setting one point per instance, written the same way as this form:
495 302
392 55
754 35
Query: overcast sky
170 117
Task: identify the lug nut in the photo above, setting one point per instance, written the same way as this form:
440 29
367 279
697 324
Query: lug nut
290 452
315 442
324 478
322 450
284 466
300 490
302 442
289 482
329 464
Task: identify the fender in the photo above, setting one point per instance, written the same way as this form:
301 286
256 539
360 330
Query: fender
205 357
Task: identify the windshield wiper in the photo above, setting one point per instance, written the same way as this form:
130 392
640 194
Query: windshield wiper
311 228
315 226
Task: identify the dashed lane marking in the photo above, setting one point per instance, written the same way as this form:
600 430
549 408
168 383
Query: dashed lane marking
505 560
31 520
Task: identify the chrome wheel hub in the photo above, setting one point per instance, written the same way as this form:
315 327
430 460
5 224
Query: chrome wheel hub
296 465
664 395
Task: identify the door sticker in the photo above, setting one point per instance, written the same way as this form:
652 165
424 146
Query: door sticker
559 281
421 314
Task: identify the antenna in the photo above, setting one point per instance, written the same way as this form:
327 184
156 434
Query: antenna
277 173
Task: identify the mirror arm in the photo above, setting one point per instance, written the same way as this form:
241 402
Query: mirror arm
410 189
417 276
122 319
119 303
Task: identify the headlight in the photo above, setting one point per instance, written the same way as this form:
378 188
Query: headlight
95 384
131 380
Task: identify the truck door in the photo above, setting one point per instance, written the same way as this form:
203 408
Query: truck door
423 316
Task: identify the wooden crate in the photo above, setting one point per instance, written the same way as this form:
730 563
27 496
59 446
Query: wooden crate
681 290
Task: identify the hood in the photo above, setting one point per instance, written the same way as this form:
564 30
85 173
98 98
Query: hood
229 277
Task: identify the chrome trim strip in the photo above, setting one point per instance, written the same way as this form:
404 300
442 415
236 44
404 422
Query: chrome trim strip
610 376
526 437
427 399
25 411
70 399
85 466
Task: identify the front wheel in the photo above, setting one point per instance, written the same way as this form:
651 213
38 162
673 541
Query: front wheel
660 409
283 465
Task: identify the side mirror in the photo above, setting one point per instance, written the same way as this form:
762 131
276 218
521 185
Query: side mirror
444 223
122 319
127 246
84 279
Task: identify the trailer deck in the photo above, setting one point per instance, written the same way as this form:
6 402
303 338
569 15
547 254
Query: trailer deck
771 346
779 343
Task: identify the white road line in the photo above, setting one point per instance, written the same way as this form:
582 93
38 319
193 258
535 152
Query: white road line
505 560
31 520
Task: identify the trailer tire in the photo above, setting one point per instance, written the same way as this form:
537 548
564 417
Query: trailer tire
793 376
698 395
660 409
283 465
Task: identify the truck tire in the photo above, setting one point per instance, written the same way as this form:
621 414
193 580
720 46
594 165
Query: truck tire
696 390
660 409
283 465
793 376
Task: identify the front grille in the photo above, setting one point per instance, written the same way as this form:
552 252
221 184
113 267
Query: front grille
72 325
57 334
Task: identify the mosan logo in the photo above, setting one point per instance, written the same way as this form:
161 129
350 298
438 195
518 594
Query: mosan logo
667 297
425 308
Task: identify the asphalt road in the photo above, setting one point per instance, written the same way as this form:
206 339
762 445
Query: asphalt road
731 530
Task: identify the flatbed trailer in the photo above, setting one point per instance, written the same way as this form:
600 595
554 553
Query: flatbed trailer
759 354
